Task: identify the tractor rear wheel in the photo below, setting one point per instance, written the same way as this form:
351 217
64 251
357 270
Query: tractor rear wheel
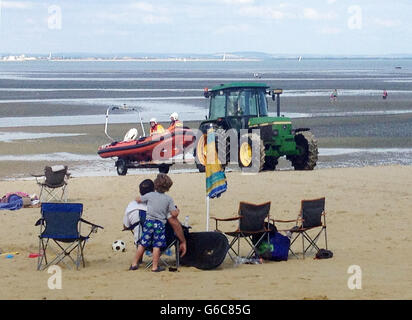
222 150
200 153
246 157
308 145
223 147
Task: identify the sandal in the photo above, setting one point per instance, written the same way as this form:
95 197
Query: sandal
159 269
132 268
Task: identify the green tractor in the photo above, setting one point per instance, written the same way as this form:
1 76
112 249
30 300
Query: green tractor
238 113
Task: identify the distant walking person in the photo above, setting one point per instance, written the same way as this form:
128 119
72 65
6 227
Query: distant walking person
385 95
334 96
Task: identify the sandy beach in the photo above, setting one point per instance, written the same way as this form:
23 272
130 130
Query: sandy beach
368 223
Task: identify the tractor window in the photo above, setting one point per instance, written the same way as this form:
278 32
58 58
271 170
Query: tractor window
263 104
242 103
238 103
234 104
252 109
217 106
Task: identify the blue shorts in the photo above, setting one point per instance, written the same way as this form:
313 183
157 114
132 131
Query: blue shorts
153 234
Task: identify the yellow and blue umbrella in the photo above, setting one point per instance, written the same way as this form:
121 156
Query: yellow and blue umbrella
216 182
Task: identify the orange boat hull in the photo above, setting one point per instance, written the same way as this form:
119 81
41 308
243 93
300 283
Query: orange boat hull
148 149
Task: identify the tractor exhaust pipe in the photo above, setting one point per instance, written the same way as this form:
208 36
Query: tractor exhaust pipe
278 104
277 92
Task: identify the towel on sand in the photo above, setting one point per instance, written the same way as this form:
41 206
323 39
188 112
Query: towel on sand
17 200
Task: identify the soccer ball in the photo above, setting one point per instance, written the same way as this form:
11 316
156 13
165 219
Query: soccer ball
119 246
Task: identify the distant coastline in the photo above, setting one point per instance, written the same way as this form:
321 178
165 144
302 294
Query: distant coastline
185 57
224 58
156 60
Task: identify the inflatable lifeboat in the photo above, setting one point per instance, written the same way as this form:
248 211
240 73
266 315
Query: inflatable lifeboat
147 152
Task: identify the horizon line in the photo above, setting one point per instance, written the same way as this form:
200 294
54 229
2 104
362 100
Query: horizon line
188 55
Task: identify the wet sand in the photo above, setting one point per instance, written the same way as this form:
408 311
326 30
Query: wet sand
389 131
304 105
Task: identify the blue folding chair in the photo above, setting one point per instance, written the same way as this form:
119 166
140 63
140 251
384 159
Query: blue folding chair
61 222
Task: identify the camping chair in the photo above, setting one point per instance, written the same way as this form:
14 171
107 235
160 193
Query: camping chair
309 218
253 220
171 241
60 222
53 182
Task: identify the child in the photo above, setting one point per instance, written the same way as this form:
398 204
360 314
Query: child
159 208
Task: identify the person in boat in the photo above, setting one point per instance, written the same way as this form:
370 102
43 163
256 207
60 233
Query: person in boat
385 94
174 121
159 209
155 128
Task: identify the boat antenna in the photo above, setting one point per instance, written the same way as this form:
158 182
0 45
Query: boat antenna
141 123
107 120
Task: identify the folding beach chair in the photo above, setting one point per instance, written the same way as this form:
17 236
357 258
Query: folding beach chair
61 222
171 240
137 228
253 220
54 183
310 218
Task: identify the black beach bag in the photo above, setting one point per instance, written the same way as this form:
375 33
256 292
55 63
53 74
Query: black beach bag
324 254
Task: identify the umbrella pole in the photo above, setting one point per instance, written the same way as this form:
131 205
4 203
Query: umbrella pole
207 212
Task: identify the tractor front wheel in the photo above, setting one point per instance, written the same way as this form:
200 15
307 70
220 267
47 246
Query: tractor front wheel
248 158
308 145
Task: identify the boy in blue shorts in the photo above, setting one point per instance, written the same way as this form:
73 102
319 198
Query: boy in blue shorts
160 207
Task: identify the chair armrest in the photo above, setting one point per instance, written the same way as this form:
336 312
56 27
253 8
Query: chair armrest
227 219
39 222
286 221
91 224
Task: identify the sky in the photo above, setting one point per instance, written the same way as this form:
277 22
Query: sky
326 27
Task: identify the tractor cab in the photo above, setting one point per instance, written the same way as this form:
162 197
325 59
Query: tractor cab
232 105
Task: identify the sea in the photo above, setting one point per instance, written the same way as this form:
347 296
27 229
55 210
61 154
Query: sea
64 93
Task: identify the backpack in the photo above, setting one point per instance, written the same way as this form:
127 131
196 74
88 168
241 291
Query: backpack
324 254
277 249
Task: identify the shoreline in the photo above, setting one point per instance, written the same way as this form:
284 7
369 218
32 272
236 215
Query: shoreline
342 141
